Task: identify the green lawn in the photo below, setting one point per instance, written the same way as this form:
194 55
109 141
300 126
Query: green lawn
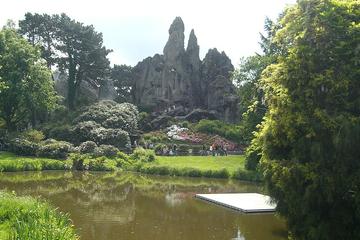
187 166
231 163
201 166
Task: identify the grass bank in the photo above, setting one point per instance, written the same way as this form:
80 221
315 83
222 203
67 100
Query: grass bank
10 162
27 218
187 166
200 166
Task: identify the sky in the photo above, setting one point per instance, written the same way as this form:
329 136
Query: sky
136 29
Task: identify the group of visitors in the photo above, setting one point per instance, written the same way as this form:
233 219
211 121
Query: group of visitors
169 150
215 150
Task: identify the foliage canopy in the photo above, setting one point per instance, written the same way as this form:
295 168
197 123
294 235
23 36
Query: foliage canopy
26 88
75 48
310 137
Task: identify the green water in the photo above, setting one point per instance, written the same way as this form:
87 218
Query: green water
109 206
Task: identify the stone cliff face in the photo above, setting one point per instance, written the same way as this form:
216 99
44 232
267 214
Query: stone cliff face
180 78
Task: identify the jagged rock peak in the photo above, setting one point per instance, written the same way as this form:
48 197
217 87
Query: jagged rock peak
192 43
177 26
216 63
174 47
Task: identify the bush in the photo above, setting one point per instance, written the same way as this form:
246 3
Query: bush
31 165
20 165
116 137
185 124
229 131
77 160
107 151
185 172
55 149
110 114
61 132
143 155
245 175
183 149
91 131
101 164
122 160
92 163
87 147
144 121
33 135
23 147
155 137
85 131
53 165
191 172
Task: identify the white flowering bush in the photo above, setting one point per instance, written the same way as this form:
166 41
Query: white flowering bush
91 131
107 122
107 151
55 149
175 132
109 136
85 131
87 147
183 134
110 114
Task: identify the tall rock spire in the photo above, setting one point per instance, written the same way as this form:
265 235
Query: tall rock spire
174 47
193 49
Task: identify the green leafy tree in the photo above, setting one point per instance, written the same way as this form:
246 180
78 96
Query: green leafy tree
28 89
73 47
247 77
310 139
122 76
2 85
251 106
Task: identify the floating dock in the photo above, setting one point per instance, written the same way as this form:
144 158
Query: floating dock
244 202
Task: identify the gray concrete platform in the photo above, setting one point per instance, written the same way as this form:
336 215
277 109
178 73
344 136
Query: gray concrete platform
244 202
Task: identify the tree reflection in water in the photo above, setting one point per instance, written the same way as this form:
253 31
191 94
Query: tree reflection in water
239 236
129 206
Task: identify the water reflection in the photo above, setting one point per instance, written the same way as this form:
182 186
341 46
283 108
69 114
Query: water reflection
131 206
238 236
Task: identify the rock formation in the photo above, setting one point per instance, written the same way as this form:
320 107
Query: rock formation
178 78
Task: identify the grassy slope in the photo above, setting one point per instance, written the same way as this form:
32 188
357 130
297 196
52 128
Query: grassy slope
28 218
231 163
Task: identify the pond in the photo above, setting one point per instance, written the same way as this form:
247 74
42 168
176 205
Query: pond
109 206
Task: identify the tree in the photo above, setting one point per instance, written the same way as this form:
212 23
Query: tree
122 77
251 106
28 87
75 48
2 85
247 77
310 139
41 30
